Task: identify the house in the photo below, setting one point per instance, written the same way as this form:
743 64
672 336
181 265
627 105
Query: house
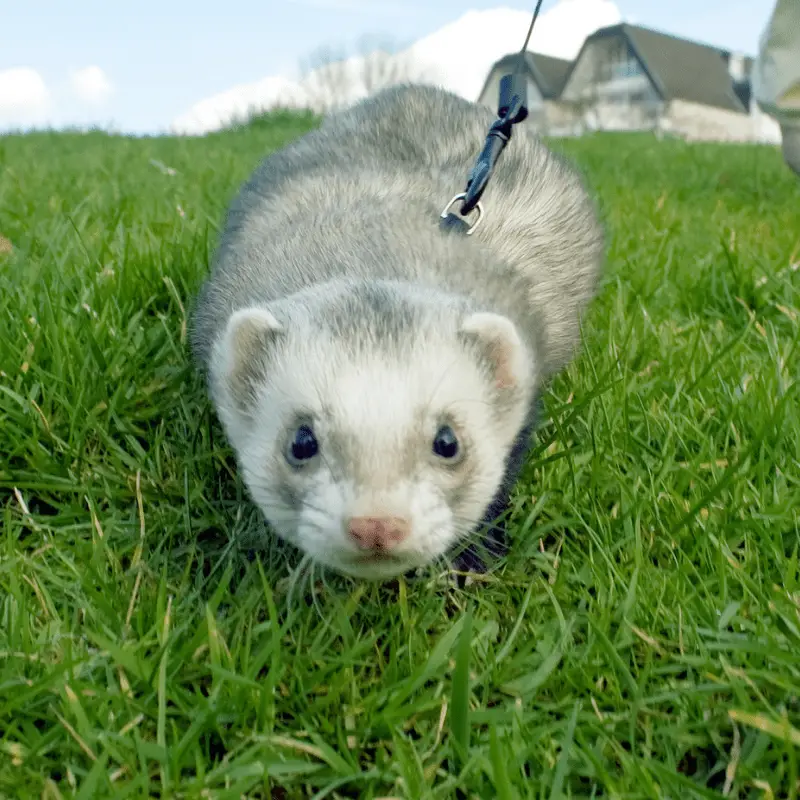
545 80
627 77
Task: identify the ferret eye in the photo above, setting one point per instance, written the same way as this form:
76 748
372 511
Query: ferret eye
445 443
303 445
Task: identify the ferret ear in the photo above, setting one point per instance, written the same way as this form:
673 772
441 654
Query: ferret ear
244 347
501 344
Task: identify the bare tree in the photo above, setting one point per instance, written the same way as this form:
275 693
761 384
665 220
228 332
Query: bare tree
331 79
325 78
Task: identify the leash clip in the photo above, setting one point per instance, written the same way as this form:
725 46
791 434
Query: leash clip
512 108
449 219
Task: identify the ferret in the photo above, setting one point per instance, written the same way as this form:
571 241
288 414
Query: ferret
376 374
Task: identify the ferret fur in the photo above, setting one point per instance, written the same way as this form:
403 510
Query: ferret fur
336 297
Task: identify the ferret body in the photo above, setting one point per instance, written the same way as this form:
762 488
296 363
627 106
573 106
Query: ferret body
375 374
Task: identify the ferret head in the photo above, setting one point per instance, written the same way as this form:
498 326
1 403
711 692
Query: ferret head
372 433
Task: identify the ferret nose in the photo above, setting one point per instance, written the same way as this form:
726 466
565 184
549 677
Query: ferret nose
378 533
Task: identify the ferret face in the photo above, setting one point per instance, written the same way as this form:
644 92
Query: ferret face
372 461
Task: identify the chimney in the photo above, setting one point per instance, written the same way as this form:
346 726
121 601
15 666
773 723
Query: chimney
737 68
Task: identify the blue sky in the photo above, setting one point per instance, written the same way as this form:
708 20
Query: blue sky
162 56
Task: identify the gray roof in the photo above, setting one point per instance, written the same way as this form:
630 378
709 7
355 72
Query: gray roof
548 72
682 69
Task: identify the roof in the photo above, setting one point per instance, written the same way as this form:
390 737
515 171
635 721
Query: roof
553 71
548 72
680 68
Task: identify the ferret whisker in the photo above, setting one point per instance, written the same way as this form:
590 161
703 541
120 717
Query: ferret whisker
278 507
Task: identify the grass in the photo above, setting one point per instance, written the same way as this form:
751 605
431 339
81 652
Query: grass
641 640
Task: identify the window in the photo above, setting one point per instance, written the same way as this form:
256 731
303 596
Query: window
620 61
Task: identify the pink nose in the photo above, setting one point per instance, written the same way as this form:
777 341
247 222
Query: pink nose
378 533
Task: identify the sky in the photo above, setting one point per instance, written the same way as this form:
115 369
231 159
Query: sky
136 67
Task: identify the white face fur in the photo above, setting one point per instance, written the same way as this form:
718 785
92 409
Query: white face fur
324 437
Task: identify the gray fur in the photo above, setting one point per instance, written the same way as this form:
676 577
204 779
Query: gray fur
338 234
360 198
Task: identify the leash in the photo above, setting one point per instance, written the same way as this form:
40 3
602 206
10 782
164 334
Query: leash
512 108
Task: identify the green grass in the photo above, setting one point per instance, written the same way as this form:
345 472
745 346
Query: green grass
641 640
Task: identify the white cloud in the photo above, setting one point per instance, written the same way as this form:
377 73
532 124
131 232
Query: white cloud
464 51
91 85
457 57
237 103
24 97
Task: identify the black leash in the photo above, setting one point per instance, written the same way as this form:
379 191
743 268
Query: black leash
512 108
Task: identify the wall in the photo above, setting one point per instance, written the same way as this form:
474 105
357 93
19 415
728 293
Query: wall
765 128
696 122
625 117
561 118
490 92
608 70
488 95
690 121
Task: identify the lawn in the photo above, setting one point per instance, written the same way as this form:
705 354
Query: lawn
641 639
